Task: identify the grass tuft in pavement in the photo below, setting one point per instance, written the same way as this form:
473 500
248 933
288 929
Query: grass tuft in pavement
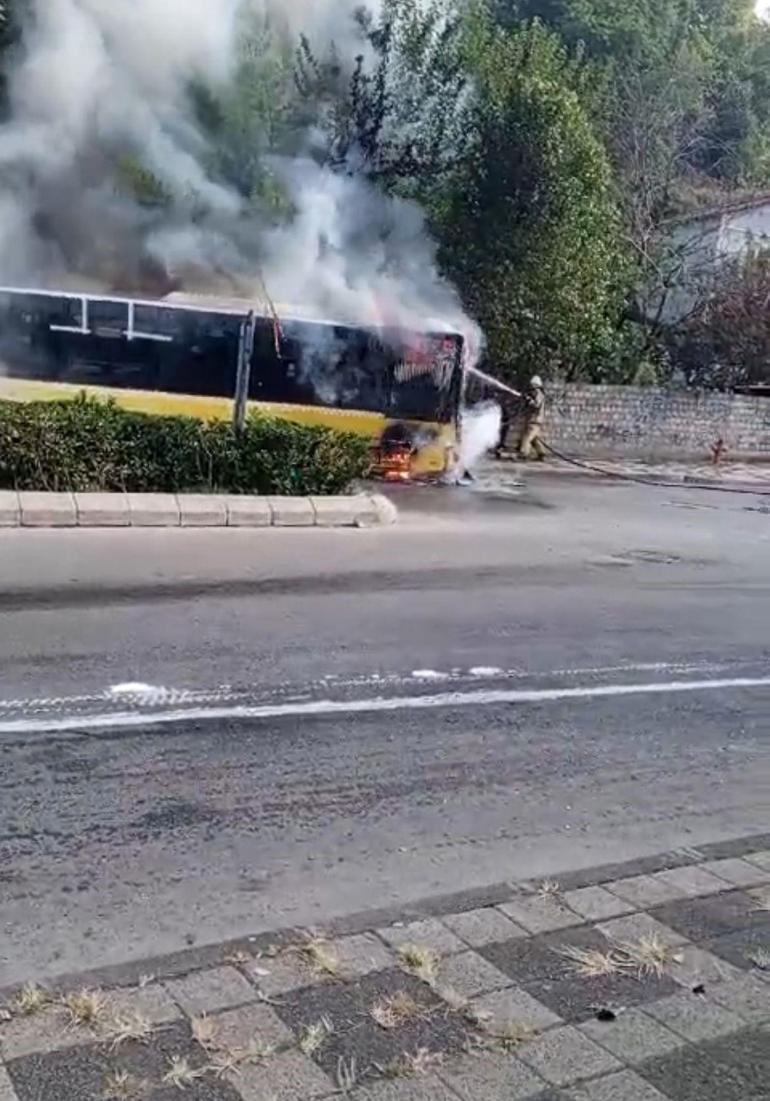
395 1010
119 1085
650 954
225 1059
129 1026
31 999
180 1073
590 963
204 1031
417 1065
239 959
321 958
315 1036
86 1007
420 961
760 957
549 890
347 1074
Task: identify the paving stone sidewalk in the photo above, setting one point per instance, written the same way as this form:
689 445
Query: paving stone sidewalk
744 476
643 981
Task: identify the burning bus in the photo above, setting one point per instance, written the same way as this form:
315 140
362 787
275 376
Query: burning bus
180 354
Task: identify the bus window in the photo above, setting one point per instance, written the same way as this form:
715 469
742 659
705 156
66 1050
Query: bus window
107 319
320 364
158 323
103 361
203 359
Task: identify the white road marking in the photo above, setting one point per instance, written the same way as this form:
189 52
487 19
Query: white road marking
225 692
481 697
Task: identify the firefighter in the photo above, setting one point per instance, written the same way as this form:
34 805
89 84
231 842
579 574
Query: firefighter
508 406
534 418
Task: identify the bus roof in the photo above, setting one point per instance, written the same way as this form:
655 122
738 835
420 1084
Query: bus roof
207 303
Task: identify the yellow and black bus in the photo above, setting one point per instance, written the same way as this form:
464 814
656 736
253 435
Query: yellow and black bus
180 355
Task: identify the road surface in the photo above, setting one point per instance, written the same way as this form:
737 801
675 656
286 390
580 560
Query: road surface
206 734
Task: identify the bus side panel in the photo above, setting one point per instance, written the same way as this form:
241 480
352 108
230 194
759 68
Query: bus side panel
204 407
430 458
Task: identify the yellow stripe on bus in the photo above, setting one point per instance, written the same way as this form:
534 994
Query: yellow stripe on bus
430 459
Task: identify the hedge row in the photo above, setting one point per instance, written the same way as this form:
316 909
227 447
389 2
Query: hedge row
88 444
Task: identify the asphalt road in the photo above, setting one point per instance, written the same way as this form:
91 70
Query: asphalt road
123 834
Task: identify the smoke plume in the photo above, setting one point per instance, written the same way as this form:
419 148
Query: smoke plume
103 85
479 433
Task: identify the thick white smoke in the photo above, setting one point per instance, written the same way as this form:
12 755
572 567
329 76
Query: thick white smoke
99 80
479 432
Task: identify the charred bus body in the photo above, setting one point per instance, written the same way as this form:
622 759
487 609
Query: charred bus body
180 355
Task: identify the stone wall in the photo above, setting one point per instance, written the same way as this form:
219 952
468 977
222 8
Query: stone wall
647 422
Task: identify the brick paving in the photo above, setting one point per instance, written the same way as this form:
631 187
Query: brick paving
728 475
648 981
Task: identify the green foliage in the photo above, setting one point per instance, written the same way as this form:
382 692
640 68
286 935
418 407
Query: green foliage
548 142
137 180
397 116
254 116
529 230
87 444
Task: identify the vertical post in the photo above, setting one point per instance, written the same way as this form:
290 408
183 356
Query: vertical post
243 371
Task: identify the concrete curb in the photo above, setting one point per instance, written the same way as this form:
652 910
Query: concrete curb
170 510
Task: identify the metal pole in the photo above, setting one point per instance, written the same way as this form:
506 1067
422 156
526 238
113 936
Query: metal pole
243 371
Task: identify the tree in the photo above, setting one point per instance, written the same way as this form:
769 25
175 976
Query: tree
396 116
725 339
255 116
529 230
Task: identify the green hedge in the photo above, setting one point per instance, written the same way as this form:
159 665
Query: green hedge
88 444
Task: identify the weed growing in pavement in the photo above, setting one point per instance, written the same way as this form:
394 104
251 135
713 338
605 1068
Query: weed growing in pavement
118 1084
650 954
239 958
420 961
226 1060
549 890
347 1074
204 1031
31 999
321 958
180 1073
760 957
591 962
315 1036
256 1051
417 1065
395 1010
513 1033
129 1026
86 1007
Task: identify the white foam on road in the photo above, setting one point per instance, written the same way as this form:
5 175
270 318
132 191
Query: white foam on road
480 697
